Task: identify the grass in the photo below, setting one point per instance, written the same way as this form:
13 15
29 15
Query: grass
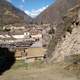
35 72
19 64
22 64
36 64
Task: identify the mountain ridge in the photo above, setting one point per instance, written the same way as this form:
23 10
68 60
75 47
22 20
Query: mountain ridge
55 12
11 15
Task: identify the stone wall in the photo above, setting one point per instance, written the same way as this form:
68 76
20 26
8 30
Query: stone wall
70 45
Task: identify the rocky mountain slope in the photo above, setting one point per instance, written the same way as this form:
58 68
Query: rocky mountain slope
54 13
65 41
11 15
68 46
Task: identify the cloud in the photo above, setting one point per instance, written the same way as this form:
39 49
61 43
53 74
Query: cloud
8 0
35 13
23 1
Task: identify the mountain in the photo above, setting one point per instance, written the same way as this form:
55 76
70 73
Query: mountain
9 14
55 12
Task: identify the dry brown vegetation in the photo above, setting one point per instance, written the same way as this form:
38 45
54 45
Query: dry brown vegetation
47 72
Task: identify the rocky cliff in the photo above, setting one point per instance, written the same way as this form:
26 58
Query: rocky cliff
67 41
68 46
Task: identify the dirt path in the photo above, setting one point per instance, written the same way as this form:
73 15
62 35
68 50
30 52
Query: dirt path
51 72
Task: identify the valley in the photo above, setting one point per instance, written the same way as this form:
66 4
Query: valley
45 47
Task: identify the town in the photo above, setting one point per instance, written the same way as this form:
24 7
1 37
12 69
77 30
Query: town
23 40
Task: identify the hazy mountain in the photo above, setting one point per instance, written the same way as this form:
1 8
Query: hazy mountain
11 15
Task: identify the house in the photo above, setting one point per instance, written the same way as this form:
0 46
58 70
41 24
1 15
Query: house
17 28
16 35
36 36
11 27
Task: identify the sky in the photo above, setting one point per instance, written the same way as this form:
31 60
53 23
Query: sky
32 7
